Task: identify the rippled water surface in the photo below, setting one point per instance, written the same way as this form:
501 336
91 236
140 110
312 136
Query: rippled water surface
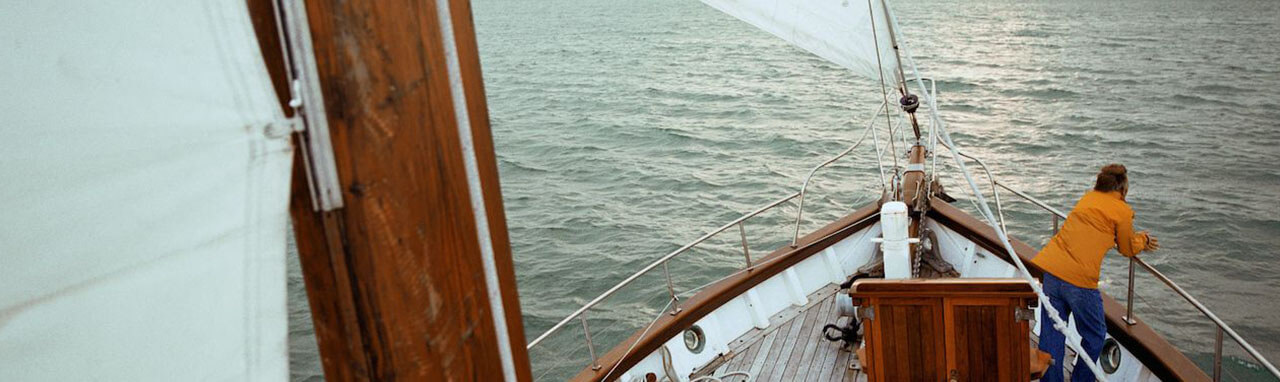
625 129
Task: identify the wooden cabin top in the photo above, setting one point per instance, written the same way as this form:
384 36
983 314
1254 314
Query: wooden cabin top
945 329
1002 287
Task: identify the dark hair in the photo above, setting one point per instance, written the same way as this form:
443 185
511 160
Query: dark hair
1113 177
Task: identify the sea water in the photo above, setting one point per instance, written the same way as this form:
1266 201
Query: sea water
625 129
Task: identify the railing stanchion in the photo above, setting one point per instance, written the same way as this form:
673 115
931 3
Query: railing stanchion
795 237
1217 355
1128 312
1223 330
1055 223
591 348
675 301
568 320
745 251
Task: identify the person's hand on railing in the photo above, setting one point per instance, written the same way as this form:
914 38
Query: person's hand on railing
1152 243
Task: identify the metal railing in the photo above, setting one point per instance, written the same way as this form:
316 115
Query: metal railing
880 110
674 300
1222 327
661 262
795 238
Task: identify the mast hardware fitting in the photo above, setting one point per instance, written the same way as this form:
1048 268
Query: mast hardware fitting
910 102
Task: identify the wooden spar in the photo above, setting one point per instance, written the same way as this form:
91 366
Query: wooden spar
913 194
913 180
400 279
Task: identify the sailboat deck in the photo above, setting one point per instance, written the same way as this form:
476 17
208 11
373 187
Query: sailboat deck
791 348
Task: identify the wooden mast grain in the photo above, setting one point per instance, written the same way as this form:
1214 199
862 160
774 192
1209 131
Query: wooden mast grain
396 278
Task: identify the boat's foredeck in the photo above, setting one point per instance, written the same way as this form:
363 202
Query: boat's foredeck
791 348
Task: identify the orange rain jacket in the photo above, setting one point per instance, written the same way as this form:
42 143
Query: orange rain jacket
1100 221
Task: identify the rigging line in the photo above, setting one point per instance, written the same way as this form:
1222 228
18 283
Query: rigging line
560 362
633 344
875 137
945 138
1073 338
898 129
902 77
893 40
884 93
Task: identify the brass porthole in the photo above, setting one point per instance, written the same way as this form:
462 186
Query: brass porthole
694 339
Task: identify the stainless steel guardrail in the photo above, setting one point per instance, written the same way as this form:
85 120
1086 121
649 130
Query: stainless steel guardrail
1222 326
805 186
580 313
660 262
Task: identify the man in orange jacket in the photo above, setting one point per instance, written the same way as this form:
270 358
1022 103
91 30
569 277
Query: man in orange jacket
1072 263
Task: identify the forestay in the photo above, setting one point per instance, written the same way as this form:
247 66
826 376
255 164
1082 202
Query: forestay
840 31
146 166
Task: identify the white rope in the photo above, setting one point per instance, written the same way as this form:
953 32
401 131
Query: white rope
884 93
875 137
1072 338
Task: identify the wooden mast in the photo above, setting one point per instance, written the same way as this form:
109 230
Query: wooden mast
412 278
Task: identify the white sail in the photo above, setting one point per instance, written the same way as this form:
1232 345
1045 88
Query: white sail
144 202
839 31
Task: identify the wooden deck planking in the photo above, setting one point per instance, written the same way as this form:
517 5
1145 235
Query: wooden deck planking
840 366
744 360
827 352
792 348
785 371
799 370
766 345
781 348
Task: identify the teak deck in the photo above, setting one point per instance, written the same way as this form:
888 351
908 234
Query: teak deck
791 348
1158 355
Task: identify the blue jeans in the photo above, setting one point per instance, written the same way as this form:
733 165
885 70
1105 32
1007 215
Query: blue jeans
1086 305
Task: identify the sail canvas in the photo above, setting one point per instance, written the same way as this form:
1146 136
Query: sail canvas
146 166
854 34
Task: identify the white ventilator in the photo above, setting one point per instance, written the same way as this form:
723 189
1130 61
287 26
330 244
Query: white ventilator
895 242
